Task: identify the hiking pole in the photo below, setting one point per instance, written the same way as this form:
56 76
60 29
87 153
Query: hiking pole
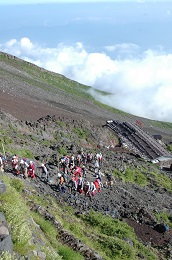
57 162
3 150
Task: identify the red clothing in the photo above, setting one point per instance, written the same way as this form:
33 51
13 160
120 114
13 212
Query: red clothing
31 170
78 172
96 183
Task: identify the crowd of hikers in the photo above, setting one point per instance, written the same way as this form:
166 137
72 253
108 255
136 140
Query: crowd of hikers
78 173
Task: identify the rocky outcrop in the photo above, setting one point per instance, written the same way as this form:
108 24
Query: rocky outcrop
6 244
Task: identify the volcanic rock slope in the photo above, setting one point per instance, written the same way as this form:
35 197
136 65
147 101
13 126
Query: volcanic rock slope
41 117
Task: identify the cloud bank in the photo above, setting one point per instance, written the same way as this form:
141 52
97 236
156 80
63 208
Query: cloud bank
140 84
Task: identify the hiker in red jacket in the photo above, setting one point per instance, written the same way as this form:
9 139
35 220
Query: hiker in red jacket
31 170
77 171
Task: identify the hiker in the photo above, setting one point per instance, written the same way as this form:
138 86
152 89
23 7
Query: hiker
31 170
15 164
86 188
92 189
64 163
71 162
80 185
65 176
89 157
45 173
99 174
109 181
84 158
97 185
78 159
84 171
99 179
77 171
96 166
72 184
99 158
60 183
1 164
23 168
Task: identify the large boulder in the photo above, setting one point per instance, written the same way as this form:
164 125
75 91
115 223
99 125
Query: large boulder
6 244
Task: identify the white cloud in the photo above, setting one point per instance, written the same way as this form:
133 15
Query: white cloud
141 86
125 48
26 43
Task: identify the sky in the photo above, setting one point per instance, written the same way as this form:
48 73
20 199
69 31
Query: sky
124 48
66 1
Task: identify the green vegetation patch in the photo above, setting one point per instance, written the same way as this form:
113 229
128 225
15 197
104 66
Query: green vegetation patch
113 235
11 205
24 153
161 180
164 217
169 147
132 175
81 133
165 125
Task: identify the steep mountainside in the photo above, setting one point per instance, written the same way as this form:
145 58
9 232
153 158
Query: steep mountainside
44 116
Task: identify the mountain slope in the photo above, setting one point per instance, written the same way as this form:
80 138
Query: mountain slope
30 92
44 116
52 92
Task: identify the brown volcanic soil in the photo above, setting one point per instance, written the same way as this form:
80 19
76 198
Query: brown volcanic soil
22 108
148 235
34 106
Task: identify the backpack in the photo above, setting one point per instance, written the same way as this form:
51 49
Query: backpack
26 160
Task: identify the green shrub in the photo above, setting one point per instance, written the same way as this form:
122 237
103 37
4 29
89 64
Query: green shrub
7 256
56 136
17 184
81 133
24 153
68 254
47 227
50 253
140 178
109 226
117 249
169 147
46 143
132 175
60 123
161 180
129 175
165 217
62 151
